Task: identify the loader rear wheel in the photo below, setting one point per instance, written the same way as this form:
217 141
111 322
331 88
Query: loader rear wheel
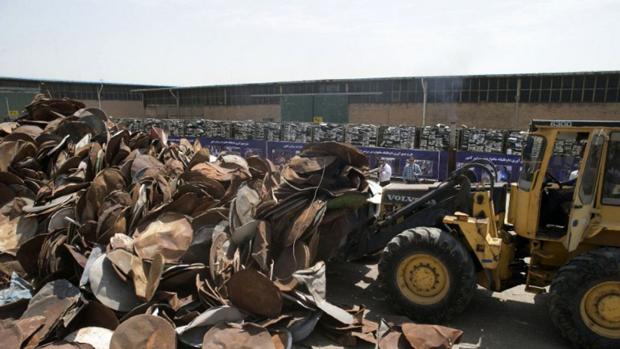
428 274
584 299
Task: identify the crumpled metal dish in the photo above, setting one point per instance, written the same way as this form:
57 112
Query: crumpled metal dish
97 337
144 332
109 288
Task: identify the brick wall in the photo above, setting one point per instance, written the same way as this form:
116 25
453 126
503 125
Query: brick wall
120 109
259 112
488 115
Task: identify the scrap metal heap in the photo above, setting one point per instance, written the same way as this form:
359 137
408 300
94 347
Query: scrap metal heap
112 239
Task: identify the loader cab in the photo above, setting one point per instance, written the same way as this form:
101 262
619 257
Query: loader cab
546 203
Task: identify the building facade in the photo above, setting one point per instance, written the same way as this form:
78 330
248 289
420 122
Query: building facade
116 99
490 101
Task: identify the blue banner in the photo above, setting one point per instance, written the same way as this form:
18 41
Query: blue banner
508 166
280 152
244 148
434 164
177 139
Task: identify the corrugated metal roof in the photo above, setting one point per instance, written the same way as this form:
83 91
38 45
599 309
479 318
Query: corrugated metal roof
326 81
36 80
155 88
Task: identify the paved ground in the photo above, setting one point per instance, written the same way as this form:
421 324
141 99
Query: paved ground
511 319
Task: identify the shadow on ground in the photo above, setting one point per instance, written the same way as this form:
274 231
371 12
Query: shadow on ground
511 319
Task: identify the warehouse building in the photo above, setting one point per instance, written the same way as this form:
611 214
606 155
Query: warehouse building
491 101
115 99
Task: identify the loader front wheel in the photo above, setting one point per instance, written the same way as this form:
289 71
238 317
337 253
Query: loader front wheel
427 274
584 299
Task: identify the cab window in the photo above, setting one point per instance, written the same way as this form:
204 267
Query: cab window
588 183
533 153
611 181
566 156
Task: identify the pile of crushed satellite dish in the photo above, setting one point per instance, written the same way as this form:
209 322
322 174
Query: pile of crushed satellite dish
112 239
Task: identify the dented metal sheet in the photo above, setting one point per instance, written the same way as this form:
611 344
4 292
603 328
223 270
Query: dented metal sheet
52 302
169 234
109 288
262 298
144 332
421 336
233 336
193 333
97 337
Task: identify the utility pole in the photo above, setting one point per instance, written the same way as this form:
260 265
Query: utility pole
425 96
176 97
517 100
99 94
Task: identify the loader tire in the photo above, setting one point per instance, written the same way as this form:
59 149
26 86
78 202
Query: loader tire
427 274
584 299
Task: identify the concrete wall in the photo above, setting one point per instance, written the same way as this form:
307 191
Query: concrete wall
488 115
119 109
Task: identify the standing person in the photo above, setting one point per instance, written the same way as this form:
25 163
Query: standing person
385 173
504 175
412 171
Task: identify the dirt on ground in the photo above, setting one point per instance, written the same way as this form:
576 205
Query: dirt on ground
510 319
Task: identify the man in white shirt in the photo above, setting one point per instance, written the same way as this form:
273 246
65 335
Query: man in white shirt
385 173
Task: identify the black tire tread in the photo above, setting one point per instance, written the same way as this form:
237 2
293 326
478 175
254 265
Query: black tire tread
569 280
449 247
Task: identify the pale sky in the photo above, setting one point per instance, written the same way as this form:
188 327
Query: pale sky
192 42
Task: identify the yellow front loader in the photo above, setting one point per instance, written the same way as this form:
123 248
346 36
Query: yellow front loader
543 232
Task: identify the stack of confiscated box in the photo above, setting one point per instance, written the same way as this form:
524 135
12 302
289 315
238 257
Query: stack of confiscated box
217 129
175 127
402 136
362 135
569 147
243 129
328 132
482 140
435 137
194 128
269 131
132 242
514 142
300 132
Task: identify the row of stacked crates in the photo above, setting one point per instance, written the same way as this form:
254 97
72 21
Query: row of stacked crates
491 141
363 135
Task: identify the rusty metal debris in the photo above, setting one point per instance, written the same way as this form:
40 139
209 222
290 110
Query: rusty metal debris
130 240
144 332
97 337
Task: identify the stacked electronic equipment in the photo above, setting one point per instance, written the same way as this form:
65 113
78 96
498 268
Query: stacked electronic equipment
514 142
194 128
401 136
328 132
435 137
269 131
362 135
296 132
217 129
173 127
243 129
482 140
569 147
